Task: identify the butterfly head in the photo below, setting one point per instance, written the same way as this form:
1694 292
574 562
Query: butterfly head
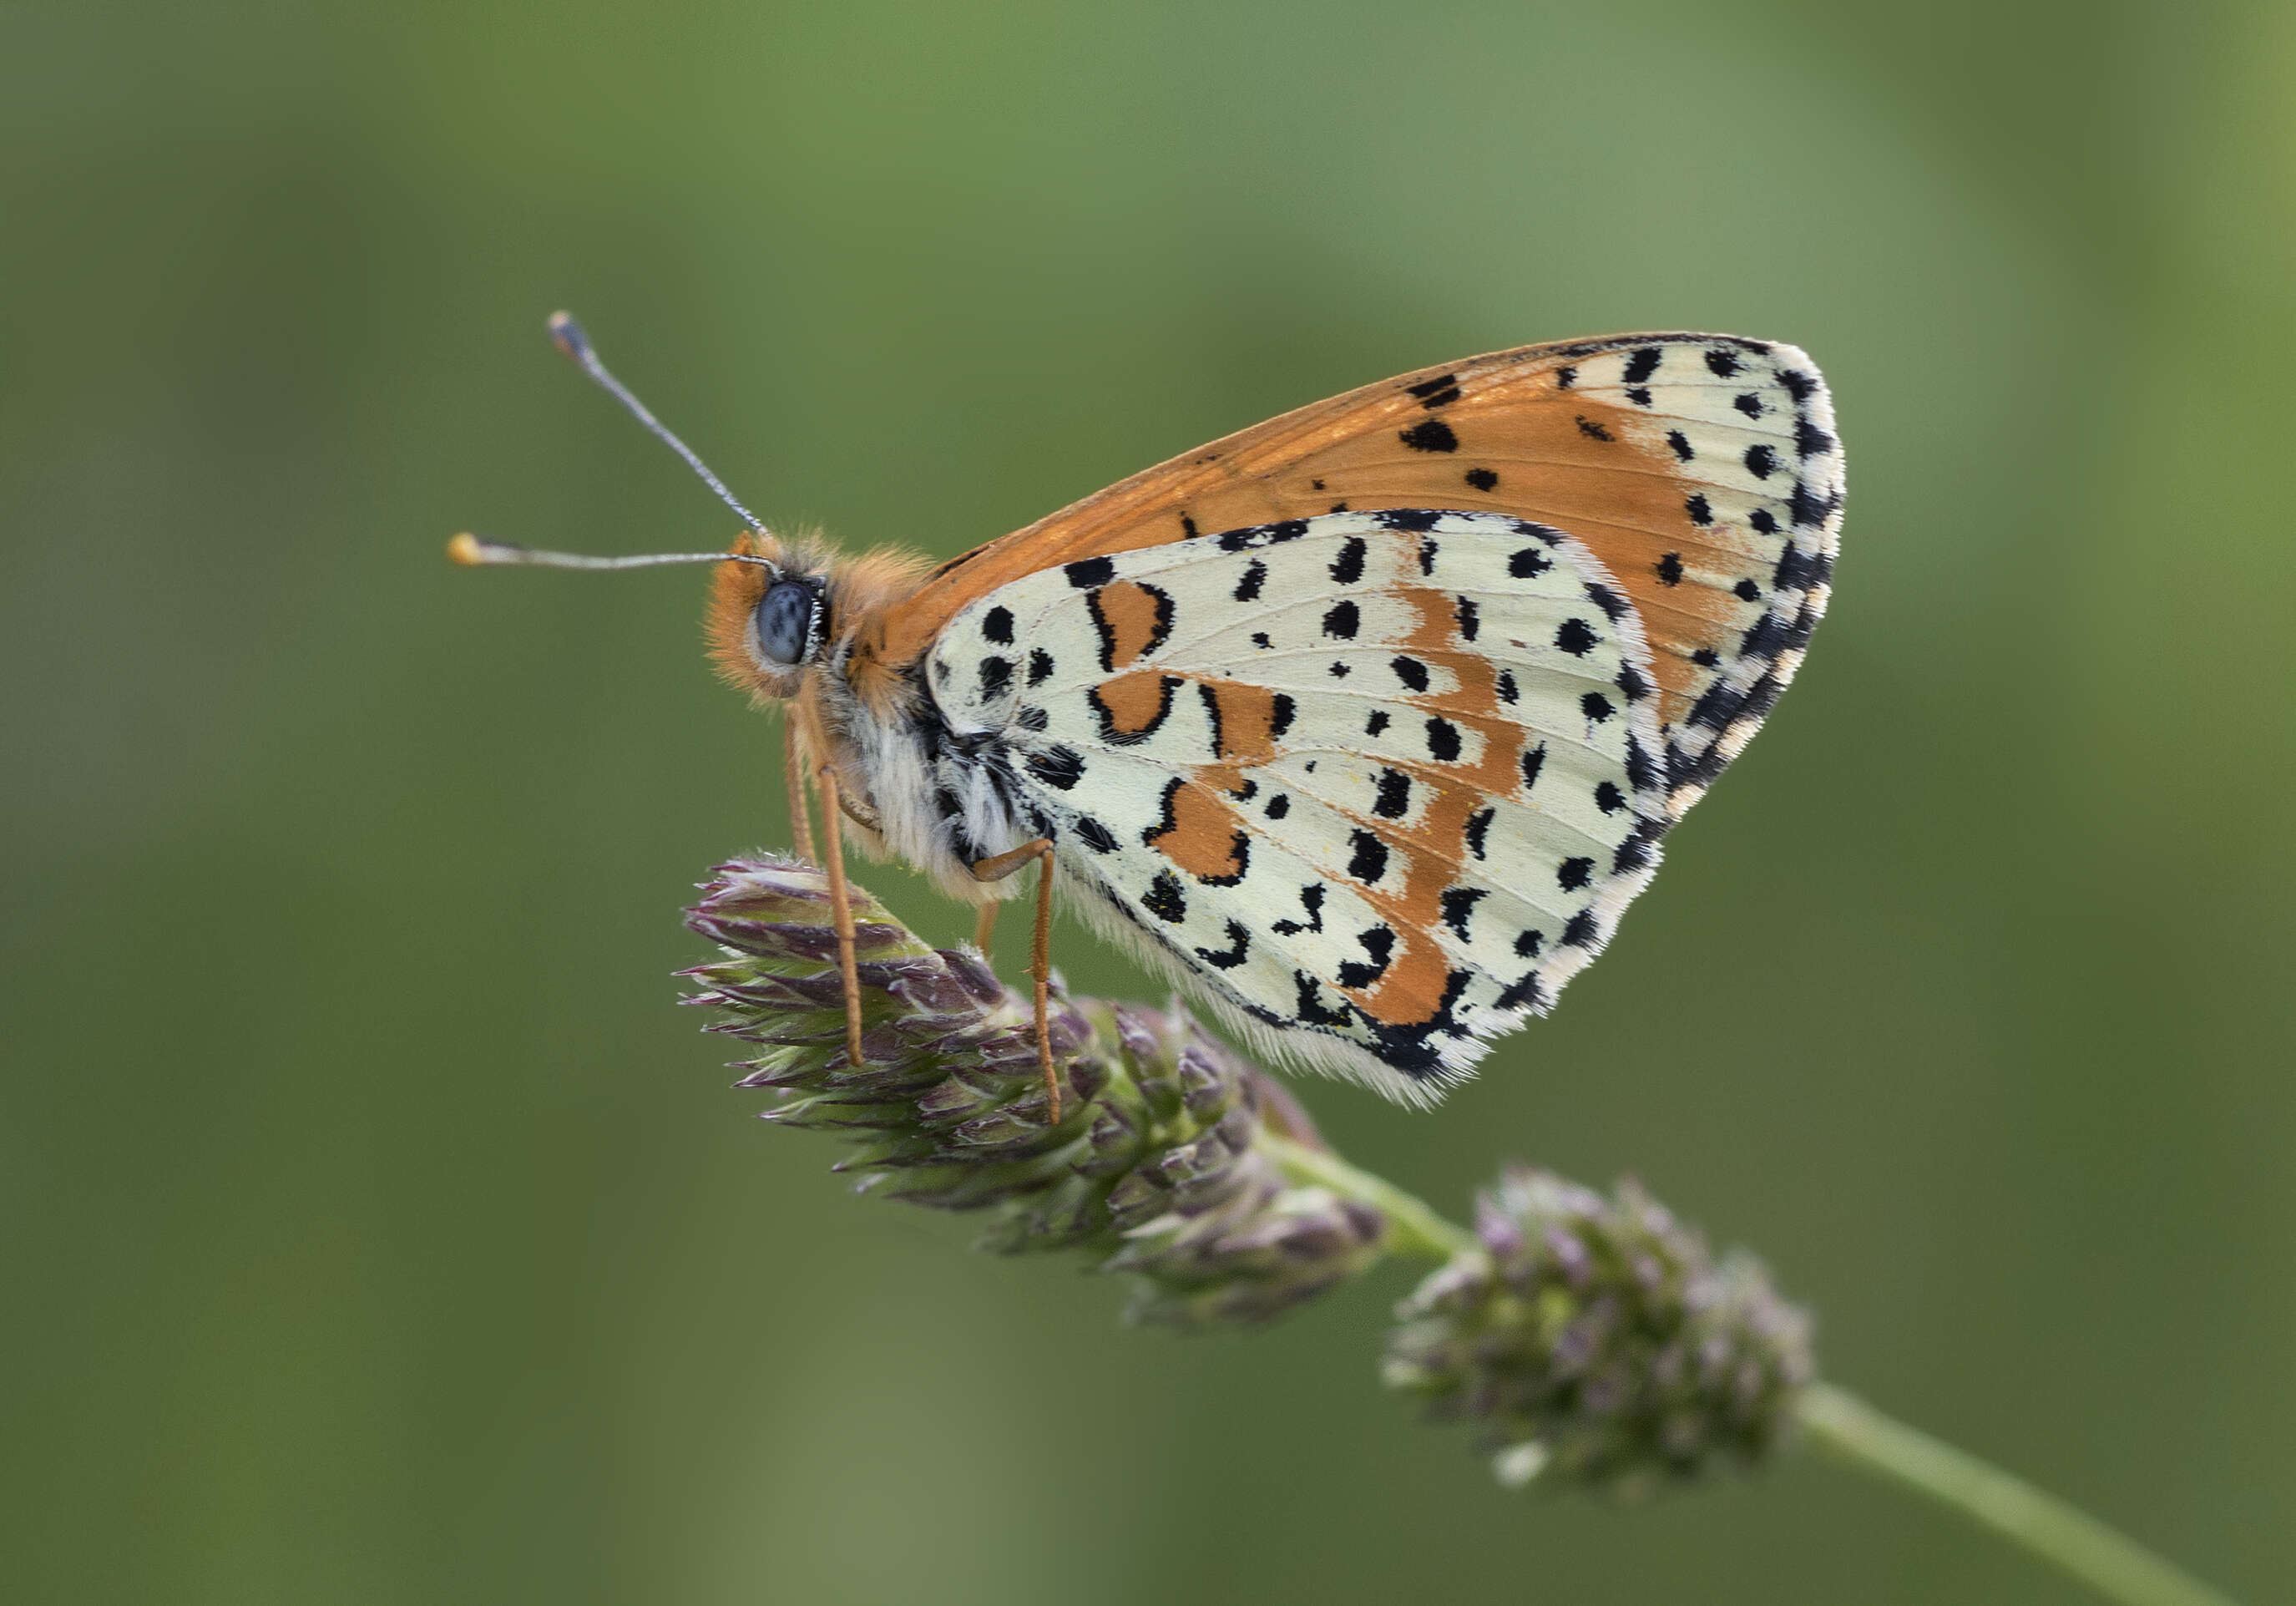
766 624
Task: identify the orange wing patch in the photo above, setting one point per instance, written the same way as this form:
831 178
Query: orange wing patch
1201 835
1133 620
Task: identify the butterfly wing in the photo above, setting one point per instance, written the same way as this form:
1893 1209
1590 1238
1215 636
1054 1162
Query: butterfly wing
1377 784
1700 470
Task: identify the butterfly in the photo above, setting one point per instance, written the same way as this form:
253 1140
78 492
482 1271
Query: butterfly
1364 724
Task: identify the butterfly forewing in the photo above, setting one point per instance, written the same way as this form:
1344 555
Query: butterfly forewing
1380 783
1700 470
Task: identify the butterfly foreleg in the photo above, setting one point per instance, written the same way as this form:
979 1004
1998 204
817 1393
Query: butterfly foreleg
995 867
984 927
841 905
794 772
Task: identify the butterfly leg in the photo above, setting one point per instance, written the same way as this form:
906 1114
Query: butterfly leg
793 771
841 905
995 869
984 927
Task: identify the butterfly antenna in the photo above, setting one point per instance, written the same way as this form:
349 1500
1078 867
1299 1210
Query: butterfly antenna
468 548
566 335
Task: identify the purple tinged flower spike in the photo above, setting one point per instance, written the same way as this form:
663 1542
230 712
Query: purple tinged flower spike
1598 1342
1161 1166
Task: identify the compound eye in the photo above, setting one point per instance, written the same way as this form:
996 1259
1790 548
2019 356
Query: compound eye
785 622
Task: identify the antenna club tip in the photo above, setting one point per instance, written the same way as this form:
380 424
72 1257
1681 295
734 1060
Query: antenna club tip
568 335
467 549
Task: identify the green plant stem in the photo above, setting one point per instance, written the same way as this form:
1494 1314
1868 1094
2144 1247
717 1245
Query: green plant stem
1413 1229
2115 1567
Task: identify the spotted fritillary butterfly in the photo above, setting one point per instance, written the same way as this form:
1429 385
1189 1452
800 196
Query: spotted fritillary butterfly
1364 724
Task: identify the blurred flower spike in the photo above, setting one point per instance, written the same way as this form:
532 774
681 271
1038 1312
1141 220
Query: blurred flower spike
1600 1343
1173 1161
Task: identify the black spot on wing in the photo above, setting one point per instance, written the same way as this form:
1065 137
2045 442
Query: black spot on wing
1089 572
1809 508
1439 392
1414 519
1642 364
1642 774
1393 799
1165 900
1239 945
1639 848
1368 861
1479 828
1482 479
1309 1008
1209 698
1379 943
997 624
1311 900
1457 904
1429 435
1524 992
1281 713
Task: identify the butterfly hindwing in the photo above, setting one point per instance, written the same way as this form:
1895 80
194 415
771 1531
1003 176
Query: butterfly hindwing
1378 783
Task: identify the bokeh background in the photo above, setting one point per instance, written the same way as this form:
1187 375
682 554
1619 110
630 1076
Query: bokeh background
376 1229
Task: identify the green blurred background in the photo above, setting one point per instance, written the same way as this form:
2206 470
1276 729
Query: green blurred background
378 1230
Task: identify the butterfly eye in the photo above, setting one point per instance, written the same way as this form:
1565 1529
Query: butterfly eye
785 623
